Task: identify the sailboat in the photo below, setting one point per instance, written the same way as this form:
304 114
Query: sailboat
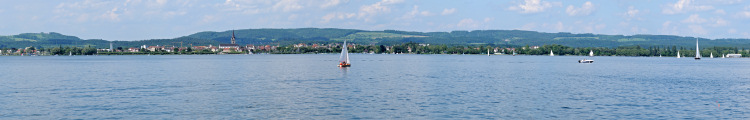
550 53
488 52
70 53
697 51
678 54
344 58
591 53
712 55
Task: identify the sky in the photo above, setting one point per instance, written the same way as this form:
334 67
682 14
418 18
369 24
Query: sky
128 20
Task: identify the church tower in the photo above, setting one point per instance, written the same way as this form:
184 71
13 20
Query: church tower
233 37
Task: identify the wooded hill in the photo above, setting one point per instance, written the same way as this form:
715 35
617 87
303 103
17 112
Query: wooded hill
499 38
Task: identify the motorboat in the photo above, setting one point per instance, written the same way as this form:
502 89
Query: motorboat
585 61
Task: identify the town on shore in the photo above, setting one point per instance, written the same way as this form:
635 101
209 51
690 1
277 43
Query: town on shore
405 48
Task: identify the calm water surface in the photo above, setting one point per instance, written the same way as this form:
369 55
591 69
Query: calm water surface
375 87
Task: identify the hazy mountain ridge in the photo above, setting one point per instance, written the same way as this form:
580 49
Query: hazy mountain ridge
385 37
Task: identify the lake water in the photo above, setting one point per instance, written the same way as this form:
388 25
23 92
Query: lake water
375 87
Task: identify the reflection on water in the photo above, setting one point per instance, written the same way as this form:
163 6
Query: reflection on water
344 70
378 87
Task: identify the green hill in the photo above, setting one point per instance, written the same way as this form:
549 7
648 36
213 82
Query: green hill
385 37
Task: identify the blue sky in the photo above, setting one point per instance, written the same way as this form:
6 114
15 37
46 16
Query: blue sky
148 19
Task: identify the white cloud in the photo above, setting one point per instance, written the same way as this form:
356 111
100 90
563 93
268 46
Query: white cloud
728 1
718 22
666 24
528 26
391 1
559 26
667 28
287 5
330 16
331 3
293 16
534 6
684 6
632 12
698 29
426 13
415 12
209 19
467 23
88 10
327 18
368 11
112 15
720 12
732 31
695 18
586 9
245 6
589 27
378 7
600 26
448 11
161 2
472 24
743 14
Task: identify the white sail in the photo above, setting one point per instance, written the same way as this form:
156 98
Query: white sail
591 53
712 55
550 53
678 54
488 52
344 54
697 50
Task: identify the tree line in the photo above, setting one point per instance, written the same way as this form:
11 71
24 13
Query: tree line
408 48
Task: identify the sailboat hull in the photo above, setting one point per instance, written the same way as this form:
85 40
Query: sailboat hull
345 65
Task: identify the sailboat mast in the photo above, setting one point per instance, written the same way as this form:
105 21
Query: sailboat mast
344 53
697 50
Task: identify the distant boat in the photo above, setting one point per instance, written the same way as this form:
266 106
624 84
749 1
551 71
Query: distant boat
678 54
344 58
585 61
712 55
550 53
488 52
591 53
70 53
697 50
722 55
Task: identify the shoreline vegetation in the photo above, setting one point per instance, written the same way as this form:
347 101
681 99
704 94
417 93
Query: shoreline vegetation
405 48
329 40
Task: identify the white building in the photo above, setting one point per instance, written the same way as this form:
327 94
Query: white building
734 55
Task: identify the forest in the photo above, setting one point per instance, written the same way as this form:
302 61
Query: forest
472 39
407 48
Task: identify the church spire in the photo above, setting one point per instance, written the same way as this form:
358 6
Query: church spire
233 37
